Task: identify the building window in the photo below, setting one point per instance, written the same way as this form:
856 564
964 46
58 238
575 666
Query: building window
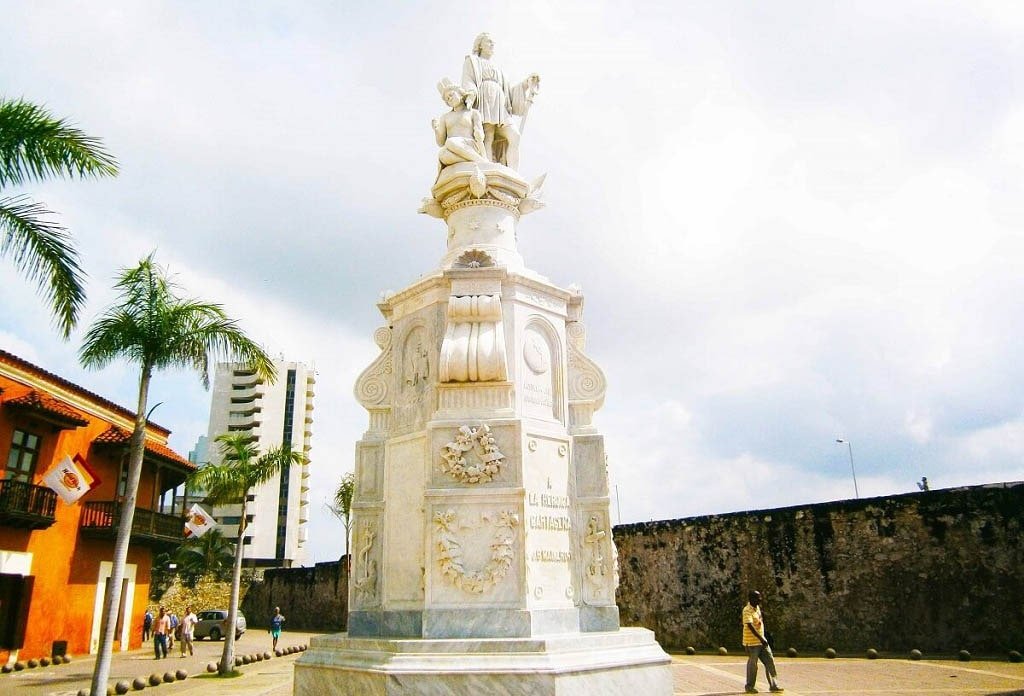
246 540
122 480
230 520
21 461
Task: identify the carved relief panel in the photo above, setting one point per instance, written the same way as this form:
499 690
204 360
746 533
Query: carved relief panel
476 552
475 454
541 381
597 562
416 378
366 563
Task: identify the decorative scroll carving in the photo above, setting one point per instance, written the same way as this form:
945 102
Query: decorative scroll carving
576 334
372 386
473 349
479 441
594 538
587 383
450 549
365 582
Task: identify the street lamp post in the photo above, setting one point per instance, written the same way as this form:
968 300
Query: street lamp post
853 471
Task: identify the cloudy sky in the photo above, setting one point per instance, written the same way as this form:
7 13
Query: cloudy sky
793 222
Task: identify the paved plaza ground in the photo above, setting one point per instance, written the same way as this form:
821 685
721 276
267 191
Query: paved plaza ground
699 675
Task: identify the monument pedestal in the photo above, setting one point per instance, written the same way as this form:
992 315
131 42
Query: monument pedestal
483 560
627 661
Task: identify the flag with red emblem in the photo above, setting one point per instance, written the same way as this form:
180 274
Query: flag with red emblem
70 479
198 522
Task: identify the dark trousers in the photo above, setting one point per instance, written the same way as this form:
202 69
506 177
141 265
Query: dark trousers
160 645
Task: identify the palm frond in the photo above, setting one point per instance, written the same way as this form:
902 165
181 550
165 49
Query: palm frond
34 146
160 329
243 467
42 250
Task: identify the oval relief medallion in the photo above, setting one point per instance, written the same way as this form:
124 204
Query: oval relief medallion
535 353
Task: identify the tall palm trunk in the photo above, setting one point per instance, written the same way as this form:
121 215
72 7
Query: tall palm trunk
112 600
227 658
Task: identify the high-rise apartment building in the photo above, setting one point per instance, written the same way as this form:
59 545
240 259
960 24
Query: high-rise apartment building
273 415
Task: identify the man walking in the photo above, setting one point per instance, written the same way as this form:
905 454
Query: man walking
756 645
188 627
161 629
147 625
276 621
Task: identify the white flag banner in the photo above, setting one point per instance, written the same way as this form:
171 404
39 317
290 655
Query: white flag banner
70 479
198 522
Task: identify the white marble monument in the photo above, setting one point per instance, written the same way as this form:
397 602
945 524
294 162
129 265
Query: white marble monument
483 556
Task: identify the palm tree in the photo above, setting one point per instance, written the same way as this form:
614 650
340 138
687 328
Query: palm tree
152 326
228 483
210 554
35 146
341 507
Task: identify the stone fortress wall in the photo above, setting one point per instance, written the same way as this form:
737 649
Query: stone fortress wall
311 599
939 571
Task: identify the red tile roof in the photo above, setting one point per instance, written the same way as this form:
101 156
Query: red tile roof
117 436
12 359
49 405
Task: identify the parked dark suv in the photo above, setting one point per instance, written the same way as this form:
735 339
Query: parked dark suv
213 624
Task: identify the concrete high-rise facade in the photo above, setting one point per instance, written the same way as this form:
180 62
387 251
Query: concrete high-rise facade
273 415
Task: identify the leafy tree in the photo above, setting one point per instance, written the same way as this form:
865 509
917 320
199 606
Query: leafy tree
341 507
228 483
151 326
35 146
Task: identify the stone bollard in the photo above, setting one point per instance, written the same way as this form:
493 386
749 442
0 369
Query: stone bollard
830 653
32 664
872 654
139 683
690 650
154 679
792 652
169 677
181 675
1013 656
44 662
211 667
722 650
915 654
963 656
121 687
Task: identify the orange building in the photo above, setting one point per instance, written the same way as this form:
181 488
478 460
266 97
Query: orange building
55 559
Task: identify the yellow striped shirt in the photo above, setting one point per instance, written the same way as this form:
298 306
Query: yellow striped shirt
752 615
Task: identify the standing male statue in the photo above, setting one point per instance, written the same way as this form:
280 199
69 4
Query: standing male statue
497 101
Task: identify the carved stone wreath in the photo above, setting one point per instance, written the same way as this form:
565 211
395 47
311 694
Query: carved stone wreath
480 441
450 551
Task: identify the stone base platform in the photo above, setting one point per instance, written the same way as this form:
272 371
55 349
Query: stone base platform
627 661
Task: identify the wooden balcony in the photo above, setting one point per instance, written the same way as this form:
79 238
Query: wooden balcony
26 506
100 520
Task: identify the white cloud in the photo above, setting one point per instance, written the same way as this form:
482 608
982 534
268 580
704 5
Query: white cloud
792 223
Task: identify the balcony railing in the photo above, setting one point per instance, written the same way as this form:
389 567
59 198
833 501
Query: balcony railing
101 519
27 506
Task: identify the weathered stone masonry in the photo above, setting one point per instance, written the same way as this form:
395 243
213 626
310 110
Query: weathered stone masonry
311 599
939 571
